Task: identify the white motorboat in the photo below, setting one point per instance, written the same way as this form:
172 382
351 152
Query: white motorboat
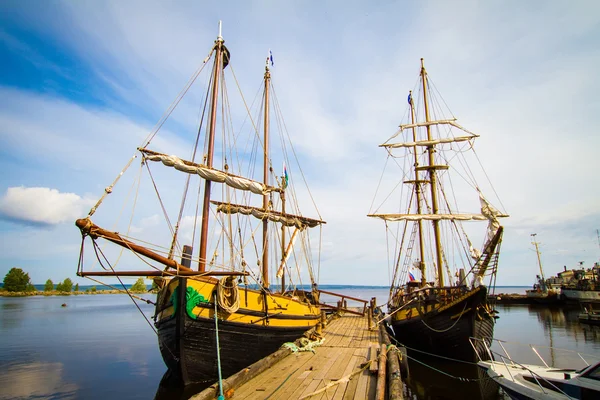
531 381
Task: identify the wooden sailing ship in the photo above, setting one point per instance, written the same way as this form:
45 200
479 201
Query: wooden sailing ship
216 312
439 292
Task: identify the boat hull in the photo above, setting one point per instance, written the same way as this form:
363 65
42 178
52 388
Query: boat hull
581 295
189 345
447 332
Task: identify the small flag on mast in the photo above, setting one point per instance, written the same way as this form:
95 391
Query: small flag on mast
410 98
411 277
285 177
271 58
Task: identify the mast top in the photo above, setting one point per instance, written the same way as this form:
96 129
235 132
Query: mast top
220 38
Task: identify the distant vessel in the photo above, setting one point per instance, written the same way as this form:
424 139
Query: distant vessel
542 292
439 310
584 286
223 315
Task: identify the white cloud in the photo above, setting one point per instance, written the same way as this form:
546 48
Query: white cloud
39 205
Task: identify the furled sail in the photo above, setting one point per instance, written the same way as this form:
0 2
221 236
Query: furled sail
430 217
429 142
274 216
211 174
492 215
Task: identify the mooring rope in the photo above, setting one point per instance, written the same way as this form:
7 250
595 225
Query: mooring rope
221 397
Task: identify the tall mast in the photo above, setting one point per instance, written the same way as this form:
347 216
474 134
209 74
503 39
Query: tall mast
265 241
417 184
537 251
433 179
211 142
283 237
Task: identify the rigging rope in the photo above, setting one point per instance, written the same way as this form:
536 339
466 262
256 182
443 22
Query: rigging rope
96 249
452 326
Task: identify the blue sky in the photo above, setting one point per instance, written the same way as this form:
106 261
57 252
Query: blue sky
83 82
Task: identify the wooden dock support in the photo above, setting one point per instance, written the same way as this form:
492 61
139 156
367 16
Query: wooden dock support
394 376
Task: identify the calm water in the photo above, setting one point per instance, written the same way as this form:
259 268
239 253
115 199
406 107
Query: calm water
100 346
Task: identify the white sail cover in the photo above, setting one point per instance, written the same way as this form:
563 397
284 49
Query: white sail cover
212 174
430 217
287 220
491 215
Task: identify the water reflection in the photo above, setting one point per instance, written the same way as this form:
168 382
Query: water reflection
433 378
100 347
171 388
35 380
558 335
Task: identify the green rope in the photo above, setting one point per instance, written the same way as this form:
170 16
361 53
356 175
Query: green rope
221 397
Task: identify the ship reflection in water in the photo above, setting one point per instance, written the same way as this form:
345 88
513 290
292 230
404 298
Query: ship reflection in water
550 330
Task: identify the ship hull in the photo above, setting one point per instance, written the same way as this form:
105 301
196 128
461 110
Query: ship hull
189 345
447 332
581 295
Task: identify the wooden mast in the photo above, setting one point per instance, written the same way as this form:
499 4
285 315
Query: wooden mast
211 142
265 239
433 179
418 195
537 251
283 236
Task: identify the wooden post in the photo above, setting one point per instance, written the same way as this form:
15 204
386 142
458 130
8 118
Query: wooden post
394 379
323 318
380 392
319 329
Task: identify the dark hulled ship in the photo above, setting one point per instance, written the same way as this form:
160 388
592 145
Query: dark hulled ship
438 297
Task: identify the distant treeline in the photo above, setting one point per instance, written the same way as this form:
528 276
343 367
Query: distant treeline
18 281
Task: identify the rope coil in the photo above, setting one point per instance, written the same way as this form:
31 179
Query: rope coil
228 295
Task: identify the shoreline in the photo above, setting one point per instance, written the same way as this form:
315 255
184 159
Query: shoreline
5 293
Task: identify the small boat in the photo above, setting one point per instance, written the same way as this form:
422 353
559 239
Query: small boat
542 293
439 291
589 315
534 381
236 297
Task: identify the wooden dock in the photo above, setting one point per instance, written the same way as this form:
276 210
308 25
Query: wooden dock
341 361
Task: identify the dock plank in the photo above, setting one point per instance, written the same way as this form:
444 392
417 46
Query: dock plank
344 351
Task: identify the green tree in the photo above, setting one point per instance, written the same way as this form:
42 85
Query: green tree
49 286
16 280
65 286
77 287
93 289
139 286
30 288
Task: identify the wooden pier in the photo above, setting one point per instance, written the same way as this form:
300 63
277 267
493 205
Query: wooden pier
347 365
